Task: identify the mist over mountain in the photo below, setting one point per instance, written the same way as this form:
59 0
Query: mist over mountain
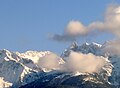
44 24
79 66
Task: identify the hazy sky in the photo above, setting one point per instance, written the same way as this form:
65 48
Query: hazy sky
26 24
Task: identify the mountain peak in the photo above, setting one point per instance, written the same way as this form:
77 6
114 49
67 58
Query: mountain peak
27 67
96 44
74 45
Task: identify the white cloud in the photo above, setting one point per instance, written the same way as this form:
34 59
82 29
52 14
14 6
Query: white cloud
111 24
112 47
71 32
75 28
111 21
85 63
75 62
49 61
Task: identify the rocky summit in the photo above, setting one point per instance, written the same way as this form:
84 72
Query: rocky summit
45 69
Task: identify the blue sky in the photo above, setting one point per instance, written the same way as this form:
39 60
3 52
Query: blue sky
26 24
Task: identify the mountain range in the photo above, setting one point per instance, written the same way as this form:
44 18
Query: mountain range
45 69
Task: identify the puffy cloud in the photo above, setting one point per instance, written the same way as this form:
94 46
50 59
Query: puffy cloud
75 28
75 62
86 63
49 62
111 21
111 24
71 32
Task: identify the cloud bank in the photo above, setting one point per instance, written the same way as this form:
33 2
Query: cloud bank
75 62
49 62
110 23
85 63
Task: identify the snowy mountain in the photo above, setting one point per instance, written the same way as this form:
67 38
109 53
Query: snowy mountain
18 69
98 50
77 79
65 80
47 69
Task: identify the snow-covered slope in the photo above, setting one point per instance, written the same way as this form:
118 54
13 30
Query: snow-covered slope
65 80
77 78
85 48
18 69
98 50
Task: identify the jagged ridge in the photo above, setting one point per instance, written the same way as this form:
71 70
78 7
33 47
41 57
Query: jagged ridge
24 68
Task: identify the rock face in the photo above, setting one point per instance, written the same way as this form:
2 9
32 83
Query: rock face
98 50
34 69
75 80
18 69
65 80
